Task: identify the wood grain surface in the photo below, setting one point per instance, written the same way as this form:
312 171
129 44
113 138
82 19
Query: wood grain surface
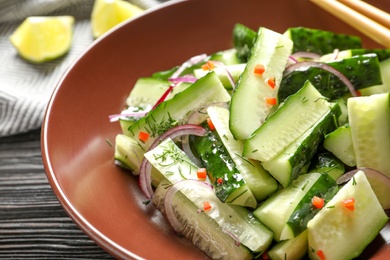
33 224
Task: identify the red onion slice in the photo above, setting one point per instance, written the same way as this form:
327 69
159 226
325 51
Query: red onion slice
191 184
175 78
185 145
305 64
188 63
175 82
164 96
291 61
237 241
229 75
145 180
186 78
335 54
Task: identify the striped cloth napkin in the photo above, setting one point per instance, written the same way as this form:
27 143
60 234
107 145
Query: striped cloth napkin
25 88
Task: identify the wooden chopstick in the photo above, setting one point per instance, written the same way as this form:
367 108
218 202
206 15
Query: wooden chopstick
373 29
370 11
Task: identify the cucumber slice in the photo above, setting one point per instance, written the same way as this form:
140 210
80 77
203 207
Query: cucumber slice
146 92
385 86
343 118
229 183
289 122
166 115
177 89
258 180
327 163
125 123
243 40
291 249
339 142
227 57
362 71
236 220
143 96
199 228
166 74
369 119
321 41
148 102
291 162
168 159
287 212
127 152
329 230
248 108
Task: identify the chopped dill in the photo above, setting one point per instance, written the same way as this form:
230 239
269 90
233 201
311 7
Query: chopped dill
143 149
304 186
170 156
245 159
109 142
320 98
238 196
146 202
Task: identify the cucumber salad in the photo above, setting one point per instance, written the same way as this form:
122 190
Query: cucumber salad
277 148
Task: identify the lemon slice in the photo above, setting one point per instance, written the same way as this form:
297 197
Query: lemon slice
43 38
108 13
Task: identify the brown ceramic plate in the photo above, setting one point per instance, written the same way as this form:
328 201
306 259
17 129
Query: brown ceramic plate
104 200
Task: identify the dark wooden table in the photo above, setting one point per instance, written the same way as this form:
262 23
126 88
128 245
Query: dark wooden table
33 224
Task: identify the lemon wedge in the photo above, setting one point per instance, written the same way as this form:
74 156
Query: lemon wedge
108 13
42 38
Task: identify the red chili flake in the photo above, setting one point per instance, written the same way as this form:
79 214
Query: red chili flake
349 204
219 181
317 202
209 65
206 206
202 173
143 136
259 69
321 254
270 101
210 124
270 82
265 256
